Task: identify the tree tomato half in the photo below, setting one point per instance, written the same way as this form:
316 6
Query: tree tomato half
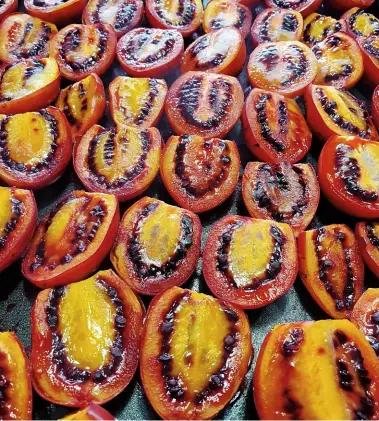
72 239
91 412
25 37
84 49
349 4
204 104
360 23
182 326
274 127
305 7
281 192
273 25
60 12
249 262
349 177
367 234
39 158
29 85
331 268
150 52
285 67
370 51
184 16
335 111
157 246
123 160
137 102
7 7
220 51
83 103
18 219
200 174
317 27
316 370
123 15
95 358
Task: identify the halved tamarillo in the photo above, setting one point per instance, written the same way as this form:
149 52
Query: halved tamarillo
360 23
35 148
204 104
137 102
274 127
305 7
183 326
367 233
223 14
281 192
83 103
60 12
285 67
91 412
29 85
94 358
370 51
200 174
317 27
157 246
72 239
123 161
150 52
183 15
249 262
18 219
335 111
23 37
123 15
340 61
220 51
331 267
348 175
15 384
375 106
366 316
316 370
84 49
7 7
273 25
349 4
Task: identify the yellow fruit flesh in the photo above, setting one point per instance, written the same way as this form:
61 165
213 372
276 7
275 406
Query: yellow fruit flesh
5 209
88 46
367 156
317 29
364 25
276 32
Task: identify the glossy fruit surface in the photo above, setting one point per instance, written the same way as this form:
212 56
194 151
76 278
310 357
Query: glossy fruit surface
91 412
370 51
305 7
317 27
360 23
7 7
60 12
367 233
375 106
348 4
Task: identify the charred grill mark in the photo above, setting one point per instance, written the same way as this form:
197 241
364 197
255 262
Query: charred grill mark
353 21
296 64
22 51
333 27
290 22
122 18
369 46
293 4
146 269
213 61
68 111
373 238
17 210
273 268
219 23
265 24
149 103
269 57
186 12
292 343
374 337
350 173
291 406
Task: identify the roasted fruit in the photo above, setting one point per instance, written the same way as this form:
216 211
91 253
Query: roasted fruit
18 219
91 412
223 14
360 23
35 148
7 7
137 102
367 233
85 340
340 61
281 192
200 174
15 384
204 104
121 160
23 37
375 107
305 7
370 51
123 15
29 85
84 49
317 27
184 16
366 316
60 12
83 103
72 239
157 246
195 353
335 111
220 51
285 67
150 52
331 267
272 25
348 4
322 370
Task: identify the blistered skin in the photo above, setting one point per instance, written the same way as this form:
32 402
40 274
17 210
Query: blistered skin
25 37
157 246
316 370
182 327
249 262
317 27
93 358
305 7
137 102
360 23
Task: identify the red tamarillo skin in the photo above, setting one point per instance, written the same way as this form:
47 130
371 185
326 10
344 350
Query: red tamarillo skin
360 23
305 7
91 412
367 233
59 12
